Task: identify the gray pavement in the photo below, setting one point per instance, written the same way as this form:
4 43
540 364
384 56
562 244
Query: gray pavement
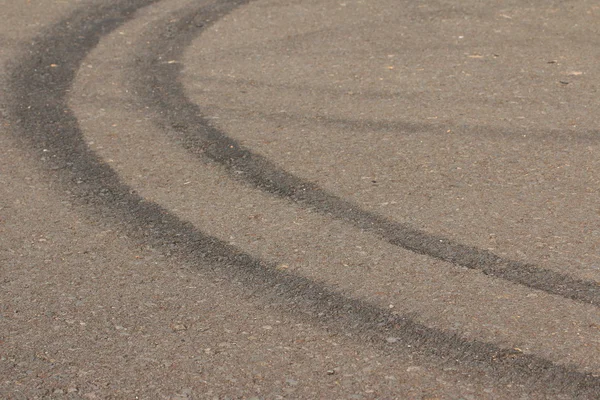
306 199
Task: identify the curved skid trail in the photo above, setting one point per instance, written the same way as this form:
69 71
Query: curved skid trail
158 84
39 109
312 245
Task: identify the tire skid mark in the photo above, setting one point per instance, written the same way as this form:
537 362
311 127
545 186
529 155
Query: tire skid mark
44 123
159 86
310 244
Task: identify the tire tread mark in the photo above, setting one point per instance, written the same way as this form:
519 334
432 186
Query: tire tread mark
158 86
45 124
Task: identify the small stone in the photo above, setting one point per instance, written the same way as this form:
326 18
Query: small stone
291 382
391 340
330 372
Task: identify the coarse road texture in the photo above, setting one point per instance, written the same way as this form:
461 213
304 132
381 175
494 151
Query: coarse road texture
306 199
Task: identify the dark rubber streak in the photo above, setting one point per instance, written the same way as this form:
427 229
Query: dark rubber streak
158 85
45 124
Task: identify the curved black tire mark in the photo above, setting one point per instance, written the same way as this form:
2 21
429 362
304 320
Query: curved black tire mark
158 85
45 124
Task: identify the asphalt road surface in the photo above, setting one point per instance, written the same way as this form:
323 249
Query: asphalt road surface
307 199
